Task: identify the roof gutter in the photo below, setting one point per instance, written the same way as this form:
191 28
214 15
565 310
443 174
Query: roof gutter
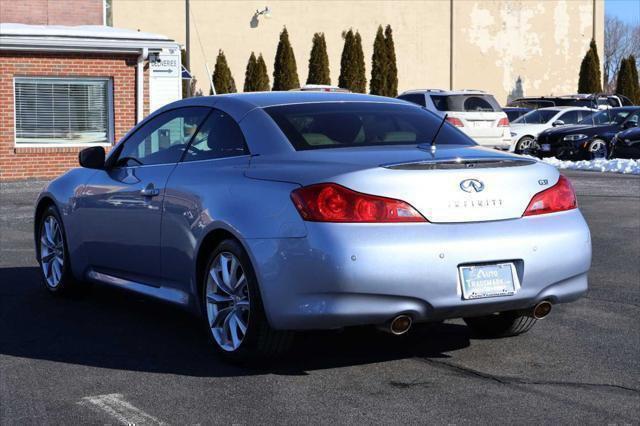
144 54
73 44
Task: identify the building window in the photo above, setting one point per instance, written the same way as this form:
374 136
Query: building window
63 111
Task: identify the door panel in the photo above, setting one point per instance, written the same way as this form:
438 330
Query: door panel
123 211
122 205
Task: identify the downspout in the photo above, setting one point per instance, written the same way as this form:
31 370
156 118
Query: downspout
144 54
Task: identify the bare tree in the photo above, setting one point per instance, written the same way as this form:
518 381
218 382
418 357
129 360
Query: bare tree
620 41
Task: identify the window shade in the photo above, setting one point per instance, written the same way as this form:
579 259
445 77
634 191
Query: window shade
62 110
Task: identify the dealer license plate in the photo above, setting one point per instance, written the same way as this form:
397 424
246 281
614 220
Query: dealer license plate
487 280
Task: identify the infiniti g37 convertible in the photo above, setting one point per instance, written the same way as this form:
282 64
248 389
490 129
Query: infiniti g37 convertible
274 212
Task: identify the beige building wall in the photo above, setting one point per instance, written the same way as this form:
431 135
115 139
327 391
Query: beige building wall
494 42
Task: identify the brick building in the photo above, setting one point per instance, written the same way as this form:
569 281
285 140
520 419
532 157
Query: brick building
67 81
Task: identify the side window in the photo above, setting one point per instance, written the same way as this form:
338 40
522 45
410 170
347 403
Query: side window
219 137
570 117
163 139
633 118
440 102
415 98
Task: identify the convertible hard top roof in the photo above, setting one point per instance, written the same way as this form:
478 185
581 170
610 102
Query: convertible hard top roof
239 104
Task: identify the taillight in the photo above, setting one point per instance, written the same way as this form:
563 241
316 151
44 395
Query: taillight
504 122
558 198
455 121
330 202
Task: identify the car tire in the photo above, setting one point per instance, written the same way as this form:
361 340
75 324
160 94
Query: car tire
501 324
525 145
53 254
232 308
597 149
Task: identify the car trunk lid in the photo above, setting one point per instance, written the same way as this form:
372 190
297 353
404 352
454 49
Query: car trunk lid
452 185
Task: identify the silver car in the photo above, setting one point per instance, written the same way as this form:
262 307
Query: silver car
269 213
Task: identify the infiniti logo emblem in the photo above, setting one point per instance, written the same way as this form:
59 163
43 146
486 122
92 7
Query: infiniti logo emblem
472 185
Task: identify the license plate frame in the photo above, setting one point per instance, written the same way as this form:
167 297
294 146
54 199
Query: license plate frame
496 280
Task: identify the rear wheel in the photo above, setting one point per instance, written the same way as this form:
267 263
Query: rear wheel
501 324
53 254
235 318
525 145
597 149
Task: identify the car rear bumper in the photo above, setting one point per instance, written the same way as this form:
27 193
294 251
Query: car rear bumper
356 274
493 142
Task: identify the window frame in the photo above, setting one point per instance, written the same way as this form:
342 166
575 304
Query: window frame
115 152
59 144
200 127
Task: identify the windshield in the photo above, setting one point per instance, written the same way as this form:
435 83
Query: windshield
353 124
466 103
538 116
606 117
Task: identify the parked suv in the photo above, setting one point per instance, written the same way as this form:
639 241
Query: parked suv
475 112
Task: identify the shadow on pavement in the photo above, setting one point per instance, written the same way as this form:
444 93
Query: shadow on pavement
109 328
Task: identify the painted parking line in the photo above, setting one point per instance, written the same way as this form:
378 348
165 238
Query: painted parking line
117 407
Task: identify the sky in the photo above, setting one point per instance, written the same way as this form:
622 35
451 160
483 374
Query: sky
626 10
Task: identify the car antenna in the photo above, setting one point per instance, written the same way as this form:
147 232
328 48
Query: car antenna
435 136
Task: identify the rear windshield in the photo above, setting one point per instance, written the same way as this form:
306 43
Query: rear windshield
466 103
353 124
537 116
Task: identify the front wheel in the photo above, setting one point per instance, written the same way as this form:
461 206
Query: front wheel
597 149
501 324
53 254
232 307
525 145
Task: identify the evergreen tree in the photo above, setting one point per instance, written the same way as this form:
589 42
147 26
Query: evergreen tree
379 65
627 83
250 74
631 63
347 62
590 79
319 61
361 75
262 77
392 71
285 72
623 83
596 57
222 78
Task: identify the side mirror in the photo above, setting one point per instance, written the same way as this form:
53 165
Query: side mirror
558 123
629 124
92 158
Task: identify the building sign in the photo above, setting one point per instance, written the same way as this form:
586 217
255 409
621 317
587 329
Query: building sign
167 64
165 78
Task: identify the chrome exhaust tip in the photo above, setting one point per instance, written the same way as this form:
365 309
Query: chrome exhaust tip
400 325
541 310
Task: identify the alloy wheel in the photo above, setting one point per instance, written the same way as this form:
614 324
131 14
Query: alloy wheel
598 149
525 145
52 251
227 299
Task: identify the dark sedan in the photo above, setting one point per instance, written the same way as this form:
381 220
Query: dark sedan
626 144
590 138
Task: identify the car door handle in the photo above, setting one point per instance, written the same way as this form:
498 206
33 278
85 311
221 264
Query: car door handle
150 191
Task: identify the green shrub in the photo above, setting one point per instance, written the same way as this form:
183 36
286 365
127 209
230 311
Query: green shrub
222 78
285 72
319 61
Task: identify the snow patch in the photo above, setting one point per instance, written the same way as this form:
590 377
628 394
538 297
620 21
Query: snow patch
616 165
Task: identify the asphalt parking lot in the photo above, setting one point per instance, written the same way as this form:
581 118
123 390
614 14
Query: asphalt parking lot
110 357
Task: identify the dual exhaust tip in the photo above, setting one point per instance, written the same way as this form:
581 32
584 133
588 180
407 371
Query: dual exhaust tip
541 310
402 323
398 325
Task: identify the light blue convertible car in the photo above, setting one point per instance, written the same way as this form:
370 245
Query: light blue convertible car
268 213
